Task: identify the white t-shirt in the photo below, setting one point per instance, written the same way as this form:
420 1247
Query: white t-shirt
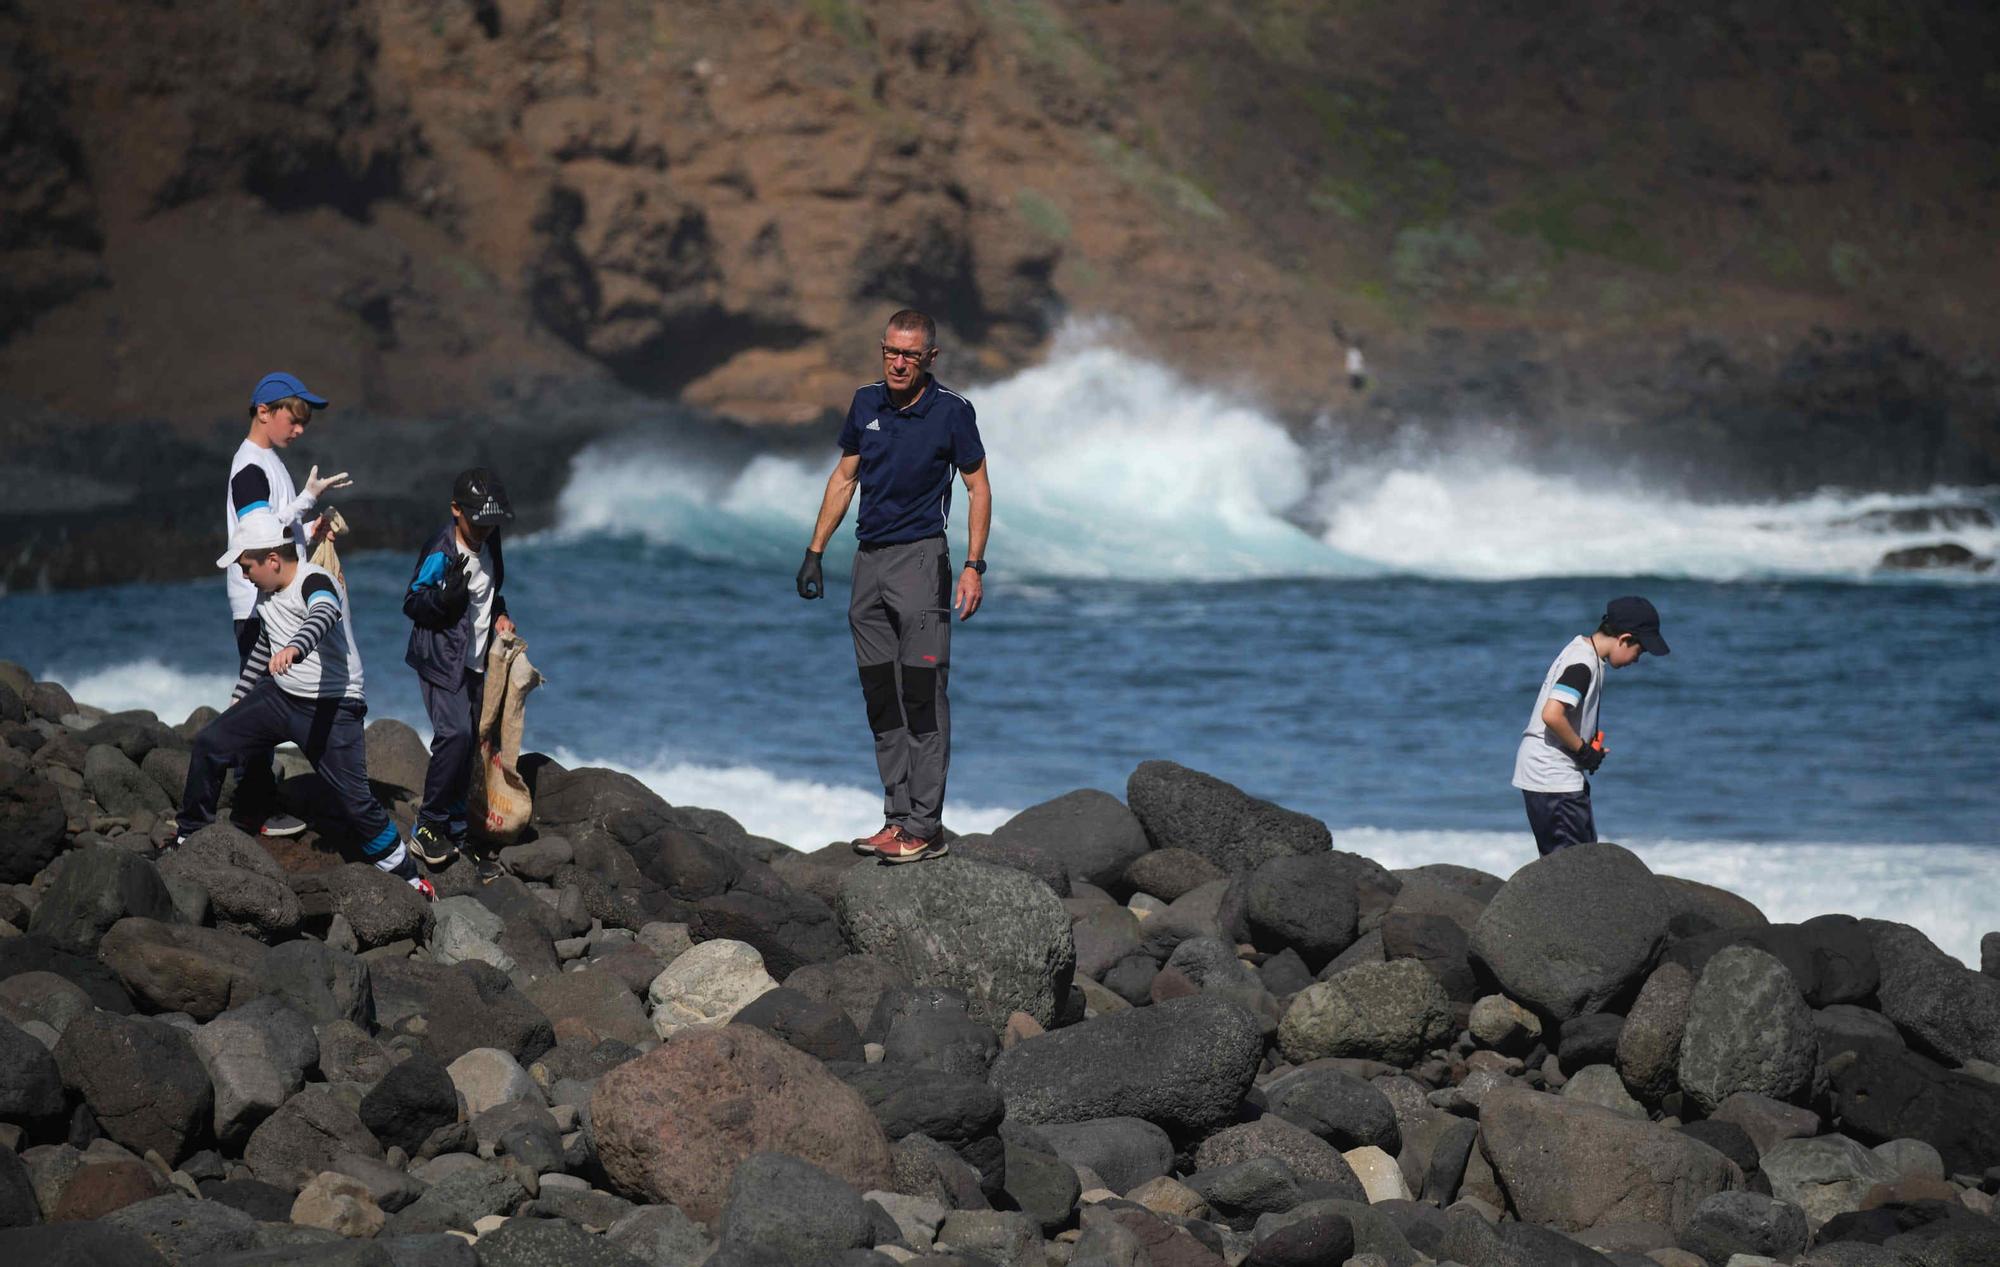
258 479
330 670
1577 680
479 593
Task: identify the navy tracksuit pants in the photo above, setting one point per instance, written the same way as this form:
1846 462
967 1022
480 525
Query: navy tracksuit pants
328 731
256 787
1561 819
454 751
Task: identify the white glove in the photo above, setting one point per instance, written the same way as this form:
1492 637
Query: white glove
315 485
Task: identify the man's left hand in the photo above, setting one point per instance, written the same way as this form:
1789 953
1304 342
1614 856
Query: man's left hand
969 591
503 624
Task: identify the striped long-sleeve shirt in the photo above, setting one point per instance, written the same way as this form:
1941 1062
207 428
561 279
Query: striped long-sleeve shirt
309 615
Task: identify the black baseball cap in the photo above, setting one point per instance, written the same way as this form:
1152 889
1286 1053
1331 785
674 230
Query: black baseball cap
1636 616
478 492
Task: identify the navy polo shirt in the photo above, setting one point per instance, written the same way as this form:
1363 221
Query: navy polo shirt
908 457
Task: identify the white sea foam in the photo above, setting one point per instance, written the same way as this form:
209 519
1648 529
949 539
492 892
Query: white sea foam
799 812
170 693
1107 465
1943 889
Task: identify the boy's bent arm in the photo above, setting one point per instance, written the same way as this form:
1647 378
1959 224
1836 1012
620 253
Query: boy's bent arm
833 506
1555 715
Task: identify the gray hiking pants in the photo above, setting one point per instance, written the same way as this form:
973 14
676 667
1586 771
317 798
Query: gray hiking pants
901 617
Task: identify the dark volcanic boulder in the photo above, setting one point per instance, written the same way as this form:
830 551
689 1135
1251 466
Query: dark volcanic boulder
246 890
1882 1094
1018 855
378 906
1748 1029
1090 834
1103 937
184 967
958 1112
1437 942
852 983
412 1100
1181 1065
257 1057
463 1006
1393 1012
90 1244
519 1242
31 1086
1649 1043
820 1030
1304 1242
1571 931
792 1209
118 784
1730 1223
999 935
396 755
1123 1151
324 983
788 927
188 1231
1947 1010
674 1124
1168 874
1335 1105
142 1079
1305 903
1186 809
97 887
32 823
308 1135
36 953
929 1027
1306 1154
1572 1165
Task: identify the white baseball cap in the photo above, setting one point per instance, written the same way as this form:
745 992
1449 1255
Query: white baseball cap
257 530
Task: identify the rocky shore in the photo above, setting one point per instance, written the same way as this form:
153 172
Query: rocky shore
1177 1030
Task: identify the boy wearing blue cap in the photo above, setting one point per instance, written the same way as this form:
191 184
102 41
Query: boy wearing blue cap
280 408
1562 745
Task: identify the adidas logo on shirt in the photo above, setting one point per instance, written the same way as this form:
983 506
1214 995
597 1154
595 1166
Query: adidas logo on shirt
874 424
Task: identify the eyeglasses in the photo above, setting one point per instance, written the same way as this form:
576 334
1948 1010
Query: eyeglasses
913 356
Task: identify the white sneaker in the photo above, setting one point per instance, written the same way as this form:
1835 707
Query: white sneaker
282 825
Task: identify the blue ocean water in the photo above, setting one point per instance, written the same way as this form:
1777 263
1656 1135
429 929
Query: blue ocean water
1361 642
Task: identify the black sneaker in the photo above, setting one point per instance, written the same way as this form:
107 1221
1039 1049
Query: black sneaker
487 868
432 845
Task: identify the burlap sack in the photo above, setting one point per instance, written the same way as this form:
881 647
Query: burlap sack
323 554
498 803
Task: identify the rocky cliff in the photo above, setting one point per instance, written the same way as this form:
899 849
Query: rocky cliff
1749 244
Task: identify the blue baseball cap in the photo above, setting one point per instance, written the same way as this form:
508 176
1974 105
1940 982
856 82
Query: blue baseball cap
280 385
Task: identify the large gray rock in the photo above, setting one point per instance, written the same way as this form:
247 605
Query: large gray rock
183 967
1571 931
31 1086
458 1008
1745 1223
97 887
187 1231
852 983
1181 1065
1389 1011
1124 1151
1168 874
997 934
1103 937
1649 1044
525 1242
1307 1155
1748 1029
1303 902
1186 809
1335 1105
1947 1010
143 1080
120 786
322 982
379 907
1089 833
1882 1094
257 1057
1825 1176
1573 1166
396 755
793 1209
247 891
90 1244
310 1133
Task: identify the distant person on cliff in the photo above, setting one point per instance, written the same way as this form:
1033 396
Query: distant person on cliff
301 682
1559 750
904 438
280 408
455 608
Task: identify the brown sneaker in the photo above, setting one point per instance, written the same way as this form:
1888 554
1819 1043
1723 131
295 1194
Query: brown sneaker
910 848
875 843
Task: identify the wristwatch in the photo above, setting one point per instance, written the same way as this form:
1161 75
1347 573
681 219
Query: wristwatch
977 565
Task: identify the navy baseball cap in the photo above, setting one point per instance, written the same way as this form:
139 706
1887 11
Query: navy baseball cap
277 386
1639 618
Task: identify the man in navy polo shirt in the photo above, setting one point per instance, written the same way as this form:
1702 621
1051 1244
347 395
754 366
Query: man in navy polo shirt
903 438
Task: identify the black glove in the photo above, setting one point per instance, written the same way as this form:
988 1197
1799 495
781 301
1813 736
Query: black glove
811 583
1589 758
451 586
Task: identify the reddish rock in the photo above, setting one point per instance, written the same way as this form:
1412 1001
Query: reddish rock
101 1187
673 1124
